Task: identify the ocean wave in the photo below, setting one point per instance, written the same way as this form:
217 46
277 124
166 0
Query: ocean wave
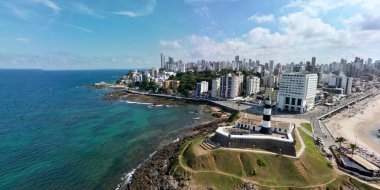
127 177
141 103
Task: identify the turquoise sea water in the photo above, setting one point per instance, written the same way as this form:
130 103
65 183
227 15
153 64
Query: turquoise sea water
54 134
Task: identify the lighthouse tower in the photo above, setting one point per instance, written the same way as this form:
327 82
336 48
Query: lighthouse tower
266 124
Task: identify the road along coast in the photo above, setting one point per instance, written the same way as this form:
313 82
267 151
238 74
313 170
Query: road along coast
357 124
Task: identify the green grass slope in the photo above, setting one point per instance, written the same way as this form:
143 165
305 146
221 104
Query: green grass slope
227 169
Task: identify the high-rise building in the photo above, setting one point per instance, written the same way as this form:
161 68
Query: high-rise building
183 68
269 81
237 60
369 61
230 86
271 67
341 81
215 91
313 61
171 61
154 72
202 87
297 92
162 61
313 64
253 85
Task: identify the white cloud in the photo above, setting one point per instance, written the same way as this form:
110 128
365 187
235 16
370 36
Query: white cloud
262 18
23 40
315 7
84 9
300 37
48 3
146 10
203 11
363 22
78 28
204 1
172 44
18 12
27 10
51 5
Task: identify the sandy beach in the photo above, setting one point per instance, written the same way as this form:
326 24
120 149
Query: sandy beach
358 123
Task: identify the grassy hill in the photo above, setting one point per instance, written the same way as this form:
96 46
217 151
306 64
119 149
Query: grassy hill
227 169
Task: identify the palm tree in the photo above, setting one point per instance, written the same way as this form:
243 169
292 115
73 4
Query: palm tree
340 140
353 147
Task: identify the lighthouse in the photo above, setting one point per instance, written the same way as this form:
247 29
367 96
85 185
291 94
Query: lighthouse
266 124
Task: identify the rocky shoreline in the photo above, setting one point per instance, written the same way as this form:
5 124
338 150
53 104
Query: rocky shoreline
155 173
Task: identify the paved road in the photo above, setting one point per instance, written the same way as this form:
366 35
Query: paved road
320 129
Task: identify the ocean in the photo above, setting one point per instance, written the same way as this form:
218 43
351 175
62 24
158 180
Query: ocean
56 134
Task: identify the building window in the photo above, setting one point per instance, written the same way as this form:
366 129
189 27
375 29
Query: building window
287 100
293 101
299 102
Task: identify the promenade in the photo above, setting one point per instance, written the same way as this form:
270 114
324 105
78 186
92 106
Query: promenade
321 130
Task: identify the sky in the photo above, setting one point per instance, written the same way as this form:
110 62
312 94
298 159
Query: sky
120 34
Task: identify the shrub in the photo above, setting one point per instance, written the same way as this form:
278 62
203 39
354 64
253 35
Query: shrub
261 162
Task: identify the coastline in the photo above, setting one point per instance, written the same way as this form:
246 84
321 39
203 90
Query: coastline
154 170
358 123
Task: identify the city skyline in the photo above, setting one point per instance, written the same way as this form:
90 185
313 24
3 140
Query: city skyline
52 34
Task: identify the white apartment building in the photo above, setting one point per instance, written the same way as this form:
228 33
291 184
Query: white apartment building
202 87
253 85
215 91
341 81
270 81
297 92
230 86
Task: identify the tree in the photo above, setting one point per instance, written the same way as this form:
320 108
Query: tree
353 147
144 84
172 77
340 140
131 85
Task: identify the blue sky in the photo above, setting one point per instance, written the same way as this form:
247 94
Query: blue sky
96 34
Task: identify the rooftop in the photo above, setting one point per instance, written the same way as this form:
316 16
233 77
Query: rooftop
255 120
246 132
363 162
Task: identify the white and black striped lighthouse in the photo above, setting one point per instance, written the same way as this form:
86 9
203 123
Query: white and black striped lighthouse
266 124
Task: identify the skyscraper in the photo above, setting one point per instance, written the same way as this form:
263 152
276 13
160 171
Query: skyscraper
230 86
271 67
162 61
369 61
237 59
313 64
252 85
215 92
